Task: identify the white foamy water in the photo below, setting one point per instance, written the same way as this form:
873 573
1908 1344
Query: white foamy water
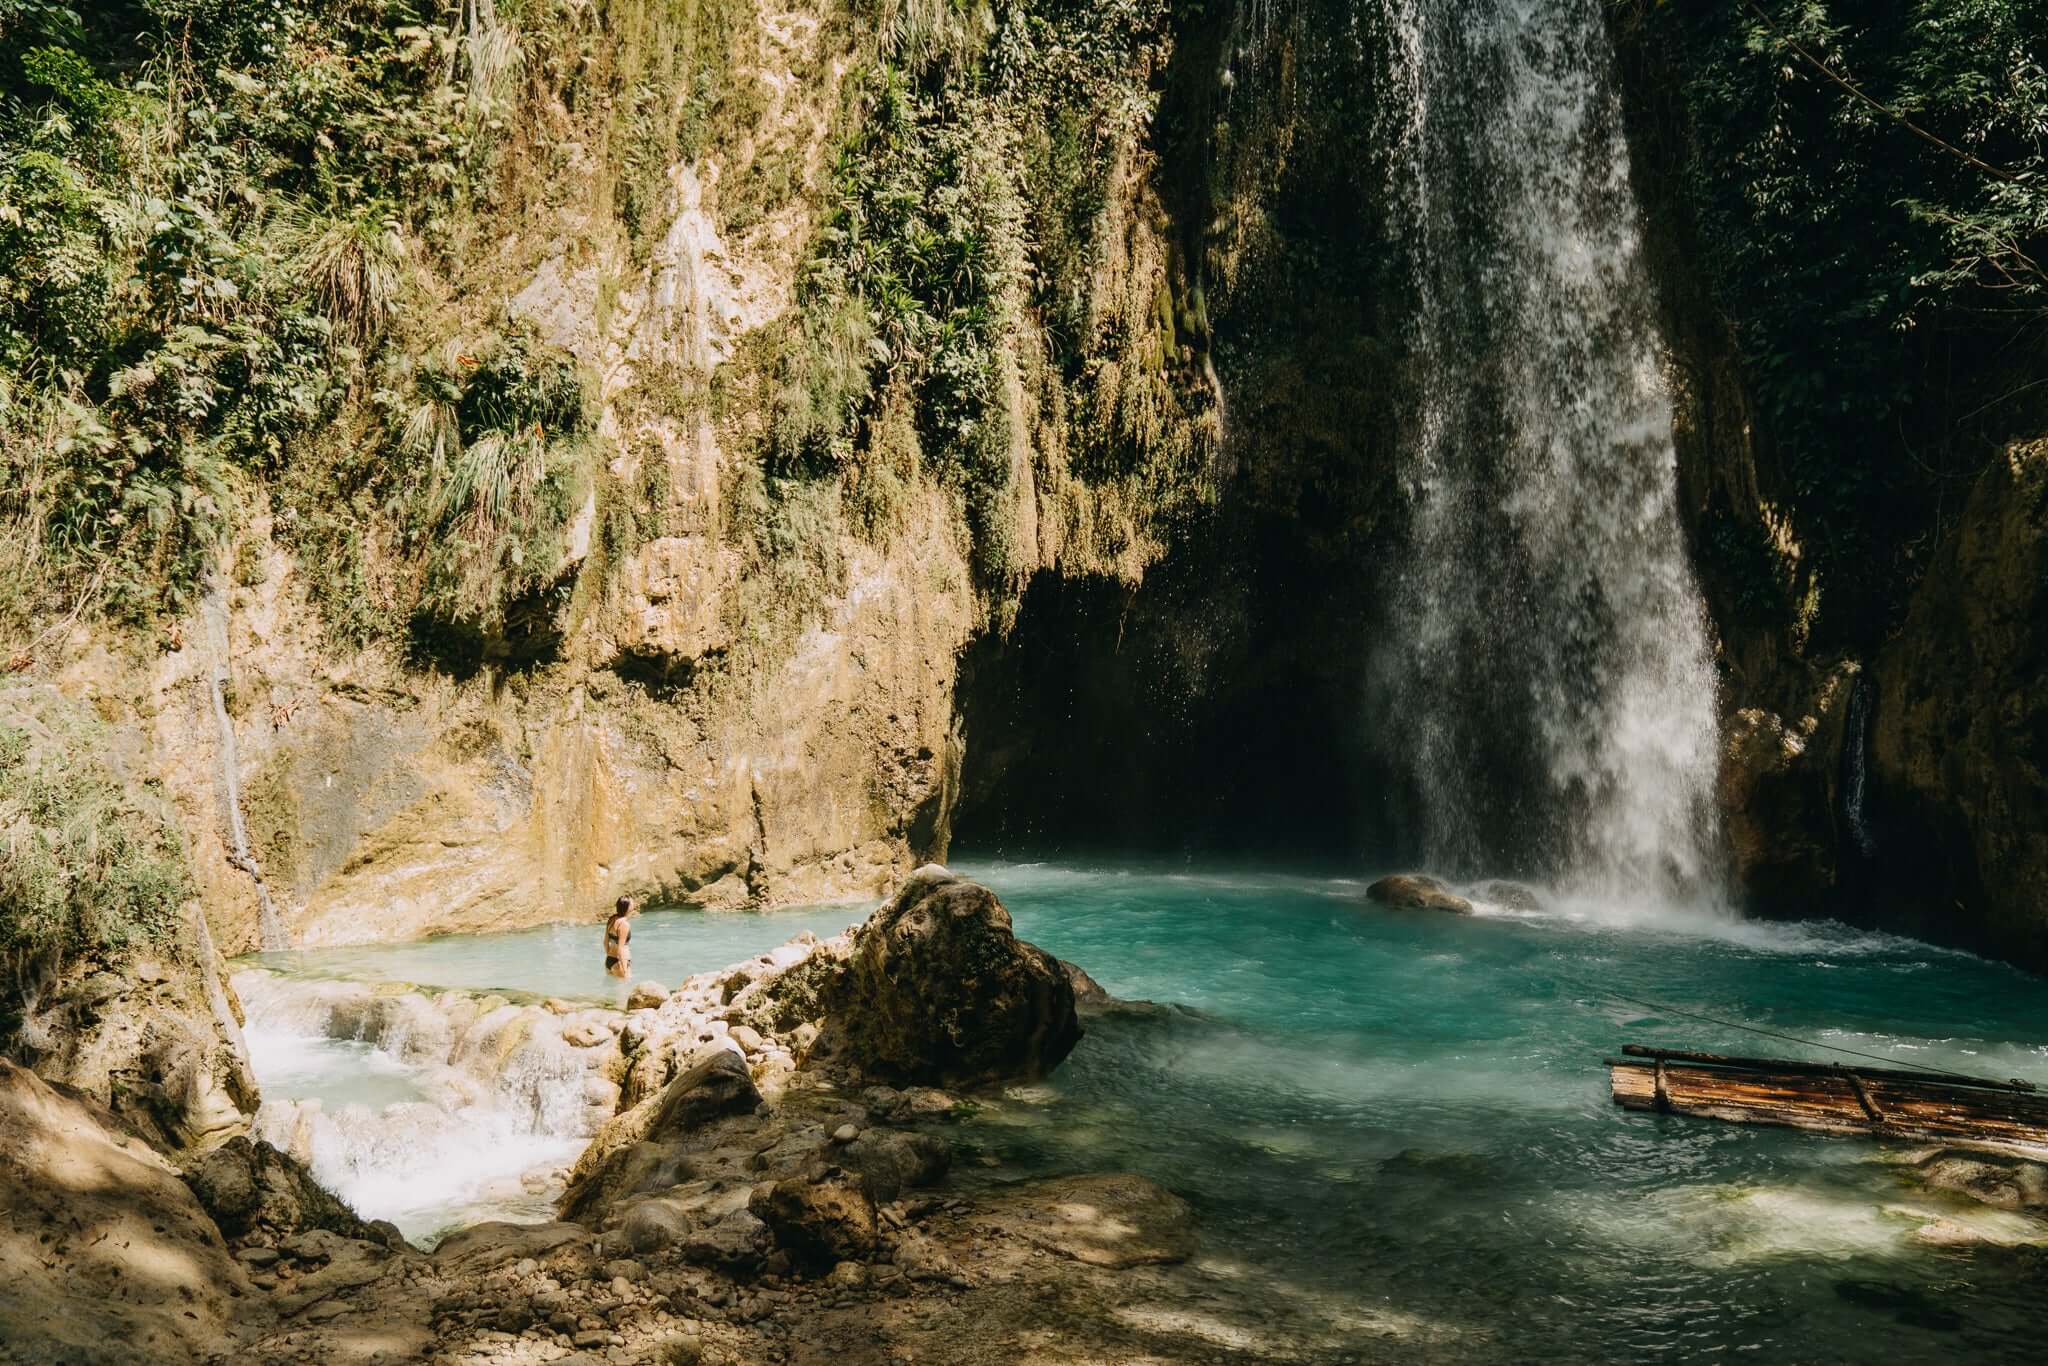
431 1113
1547 668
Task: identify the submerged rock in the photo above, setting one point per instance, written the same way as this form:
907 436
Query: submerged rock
1995 1179
1112 1220
939 990
1460 1168
1415 892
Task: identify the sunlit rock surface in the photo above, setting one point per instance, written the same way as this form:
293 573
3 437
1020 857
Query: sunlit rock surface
104 1253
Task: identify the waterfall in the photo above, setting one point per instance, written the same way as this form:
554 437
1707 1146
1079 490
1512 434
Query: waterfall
214 609
1856 768
1547 658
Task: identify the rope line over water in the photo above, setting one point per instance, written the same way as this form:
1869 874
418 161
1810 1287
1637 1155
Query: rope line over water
1899 1063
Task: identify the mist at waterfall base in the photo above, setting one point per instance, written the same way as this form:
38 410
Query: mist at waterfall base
1404 1116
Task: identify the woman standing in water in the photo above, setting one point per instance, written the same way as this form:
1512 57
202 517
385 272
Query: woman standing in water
618 939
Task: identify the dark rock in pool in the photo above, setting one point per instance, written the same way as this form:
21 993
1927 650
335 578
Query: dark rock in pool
1906 1304
1466 1169
1513 896
1414 892
940 991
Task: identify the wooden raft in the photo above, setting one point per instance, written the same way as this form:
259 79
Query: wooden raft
1964 1111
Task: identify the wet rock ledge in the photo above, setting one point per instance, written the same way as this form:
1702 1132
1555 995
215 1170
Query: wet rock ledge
775 1184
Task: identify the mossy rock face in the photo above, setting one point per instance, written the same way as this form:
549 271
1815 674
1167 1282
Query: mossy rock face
940 991
1959 733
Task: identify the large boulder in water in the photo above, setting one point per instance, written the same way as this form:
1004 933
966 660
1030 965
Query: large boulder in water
938 990
1414 892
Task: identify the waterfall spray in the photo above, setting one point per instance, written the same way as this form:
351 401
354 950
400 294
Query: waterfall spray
1548 656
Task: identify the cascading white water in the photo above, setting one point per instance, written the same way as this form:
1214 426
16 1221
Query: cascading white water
1547 656
426 1111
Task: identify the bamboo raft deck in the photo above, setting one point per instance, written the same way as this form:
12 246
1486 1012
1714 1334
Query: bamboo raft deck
2008 1116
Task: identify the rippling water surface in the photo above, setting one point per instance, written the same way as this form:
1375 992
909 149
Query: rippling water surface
1406 1113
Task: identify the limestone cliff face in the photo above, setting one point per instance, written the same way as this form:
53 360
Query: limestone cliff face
1960 751
739 689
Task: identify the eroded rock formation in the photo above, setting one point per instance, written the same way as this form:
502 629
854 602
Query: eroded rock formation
153 1035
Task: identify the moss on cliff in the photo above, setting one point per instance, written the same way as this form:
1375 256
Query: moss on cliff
307 309
90 863
92 867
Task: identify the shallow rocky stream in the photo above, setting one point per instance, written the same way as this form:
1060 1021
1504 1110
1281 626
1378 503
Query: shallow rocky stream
1400 1121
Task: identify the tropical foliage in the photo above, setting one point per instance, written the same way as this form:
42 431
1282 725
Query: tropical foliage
1870 186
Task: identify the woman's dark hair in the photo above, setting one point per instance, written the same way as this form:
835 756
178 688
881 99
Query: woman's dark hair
625 904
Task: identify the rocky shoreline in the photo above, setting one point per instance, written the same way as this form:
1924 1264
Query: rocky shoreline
769 1183
774 1172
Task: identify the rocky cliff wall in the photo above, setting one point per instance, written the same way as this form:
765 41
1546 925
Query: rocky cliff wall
1218 703
1880 758
734 683
1959 752
986 417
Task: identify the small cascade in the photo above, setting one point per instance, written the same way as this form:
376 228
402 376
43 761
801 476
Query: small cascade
1856 770
426 1109
270 927
1546 667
